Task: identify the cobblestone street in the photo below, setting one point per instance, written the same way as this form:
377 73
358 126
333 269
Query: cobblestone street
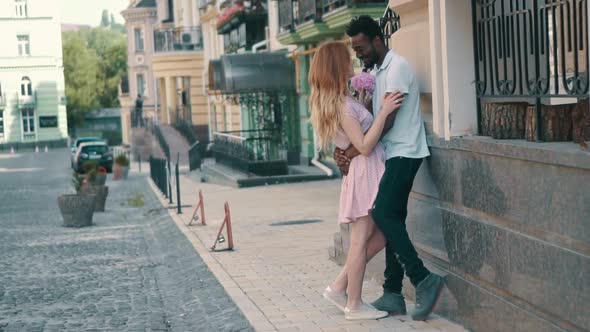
122 274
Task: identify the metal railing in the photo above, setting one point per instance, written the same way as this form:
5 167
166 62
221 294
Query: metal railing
163 144
186 130
252 145
159 174
286 17
314 10
204 3
178 40
530 50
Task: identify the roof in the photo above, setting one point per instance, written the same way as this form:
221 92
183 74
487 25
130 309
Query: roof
104 113
146 4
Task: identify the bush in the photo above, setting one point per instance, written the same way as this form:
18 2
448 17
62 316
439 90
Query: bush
77 182
122 160
90 165
91 176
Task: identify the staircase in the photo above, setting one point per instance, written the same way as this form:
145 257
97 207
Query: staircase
177 144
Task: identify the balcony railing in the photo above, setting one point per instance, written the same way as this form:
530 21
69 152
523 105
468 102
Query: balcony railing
314 10
178 40
286 17
204 3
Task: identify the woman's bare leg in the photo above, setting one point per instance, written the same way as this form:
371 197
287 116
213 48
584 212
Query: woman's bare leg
375 244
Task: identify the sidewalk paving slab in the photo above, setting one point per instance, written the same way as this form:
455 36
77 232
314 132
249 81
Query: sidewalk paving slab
276 274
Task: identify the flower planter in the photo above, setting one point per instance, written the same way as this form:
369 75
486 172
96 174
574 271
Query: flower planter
76 210
118 172
100 193
100 180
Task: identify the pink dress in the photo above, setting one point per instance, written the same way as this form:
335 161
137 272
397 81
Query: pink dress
360 186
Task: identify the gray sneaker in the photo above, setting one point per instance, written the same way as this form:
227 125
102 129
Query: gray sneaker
391 302
427 294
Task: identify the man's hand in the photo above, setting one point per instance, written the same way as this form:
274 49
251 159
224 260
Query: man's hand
351 152
342 160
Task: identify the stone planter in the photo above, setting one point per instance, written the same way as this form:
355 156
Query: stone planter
76 210
100 193
125 172
100 180
118 172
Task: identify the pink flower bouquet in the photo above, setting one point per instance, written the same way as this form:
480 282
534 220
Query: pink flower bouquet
363 81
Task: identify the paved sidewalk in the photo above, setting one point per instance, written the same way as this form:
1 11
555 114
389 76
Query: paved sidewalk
278 271
131 271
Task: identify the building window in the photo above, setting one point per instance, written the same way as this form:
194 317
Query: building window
20 7
28 116
24 45
138 32
141 85
26 87
1 123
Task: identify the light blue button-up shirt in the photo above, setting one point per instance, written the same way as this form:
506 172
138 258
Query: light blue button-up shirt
407 138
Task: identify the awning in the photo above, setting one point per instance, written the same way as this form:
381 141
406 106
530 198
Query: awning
252 72
216 79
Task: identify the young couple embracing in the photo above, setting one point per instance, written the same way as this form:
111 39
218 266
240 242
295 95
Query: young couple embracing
379 154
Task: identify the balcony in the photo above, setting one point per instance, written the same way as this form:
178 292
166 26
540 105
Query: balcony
178 40
242 26
309 21
204 3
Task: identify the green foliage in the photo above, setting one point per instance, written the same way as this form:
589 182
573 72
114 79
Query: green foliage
94 62
122 160
104 21
77 181
91 176
136 201
90 165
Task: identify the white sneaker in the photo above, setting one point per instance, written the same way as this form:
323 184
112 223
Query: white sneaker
338 299
364 312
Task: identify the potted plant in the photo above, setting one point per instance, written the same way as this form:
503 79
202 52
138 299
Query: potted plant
76 209
101 176
121 168
100 192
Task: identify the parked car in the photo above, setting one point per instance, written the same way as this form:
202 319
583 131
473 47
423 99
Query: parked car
76 144
93 151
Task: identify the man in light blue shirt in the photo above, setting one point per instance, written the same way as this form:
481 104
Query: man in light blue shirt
405 147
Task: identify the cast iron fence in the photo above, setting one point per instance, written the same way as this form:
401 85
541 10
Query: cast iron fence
530 50
159 174
162 141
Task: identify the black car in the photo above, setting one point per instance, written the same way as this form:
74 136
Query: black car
94 151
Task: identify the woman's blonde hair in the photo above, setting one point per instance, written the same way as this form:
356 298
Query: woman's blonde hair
328 78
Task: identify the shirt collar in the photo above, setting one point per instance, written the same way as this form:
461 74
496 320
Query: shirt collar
386 61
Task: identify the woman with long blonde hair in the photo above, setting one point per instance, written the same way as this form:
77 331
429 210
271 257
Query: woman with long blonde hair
338 118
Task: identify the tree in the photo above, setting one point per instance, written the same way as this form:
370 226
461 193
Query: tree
104 22
94 62
80 71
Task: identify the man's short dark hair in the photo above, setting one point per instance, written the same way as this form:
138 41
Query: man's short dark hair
366 25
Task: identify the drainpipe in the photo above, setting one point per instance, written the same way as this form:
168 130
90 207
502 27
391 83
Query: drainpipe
316 158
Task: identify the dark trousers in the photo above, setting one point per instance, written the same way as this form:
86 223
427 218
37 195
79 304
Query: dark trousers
389 212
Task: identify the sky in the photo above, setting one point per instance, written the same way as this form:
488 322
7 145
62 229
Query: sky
89 11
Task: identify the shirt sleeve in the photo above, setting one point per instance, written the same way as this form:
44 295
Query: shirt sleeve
399 77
